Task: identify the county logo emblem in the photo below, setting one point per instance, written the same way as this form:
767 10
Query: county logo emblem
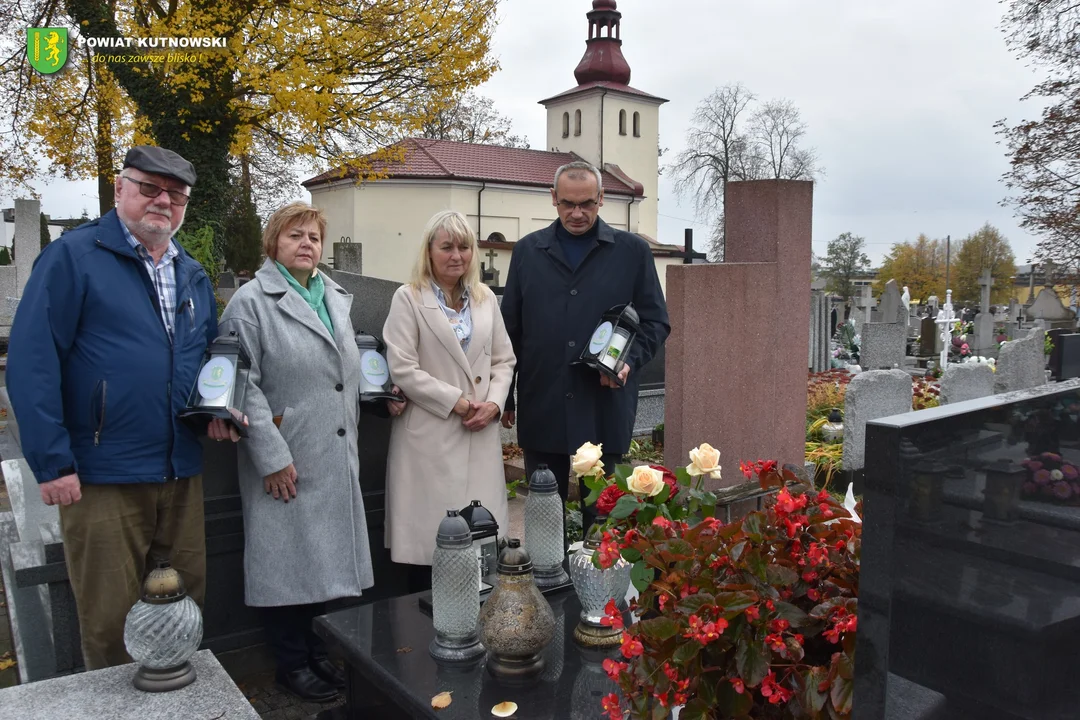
47 49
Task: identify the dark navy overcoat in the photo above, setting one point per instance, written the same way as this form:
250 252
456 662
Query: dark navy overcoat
551 311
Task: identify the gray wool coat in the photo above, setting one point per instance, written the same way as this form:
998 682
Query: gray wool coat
314 548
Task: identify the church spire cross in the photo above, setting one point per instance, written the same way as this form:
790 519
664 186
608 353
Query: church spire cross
603 60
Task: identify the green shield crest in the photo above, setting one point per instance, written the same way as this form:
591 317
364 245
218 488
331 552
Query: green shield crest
47 48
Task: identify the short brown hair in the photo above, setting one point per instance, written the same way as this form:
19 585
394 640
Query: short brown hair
295 213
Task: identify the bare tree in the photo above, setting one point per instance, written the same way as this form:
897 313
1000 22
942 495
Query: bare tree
473 119
729 140
1044 154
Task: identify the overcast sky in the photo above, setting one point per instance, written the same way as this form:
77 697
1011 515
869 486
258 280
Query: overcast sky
900 100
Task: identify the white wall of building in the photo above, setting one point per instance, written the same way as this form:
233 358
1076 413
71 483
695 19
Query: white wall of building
388 217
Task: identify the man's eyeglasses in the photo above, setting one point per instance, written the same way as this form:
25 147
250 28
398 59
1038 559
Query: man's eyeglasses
151 190
587 206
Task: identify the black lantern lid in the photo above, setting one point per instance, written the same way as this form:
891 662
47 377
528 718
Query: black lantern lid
543 480
514 560
229 345
481 521
365 341
624 316
453 531
596 533
834 416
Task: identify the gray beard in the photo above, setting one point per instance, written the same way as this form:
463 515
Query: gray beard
149 235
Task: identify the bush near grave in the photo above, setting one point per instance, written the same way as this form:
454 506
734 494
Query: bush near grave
756 618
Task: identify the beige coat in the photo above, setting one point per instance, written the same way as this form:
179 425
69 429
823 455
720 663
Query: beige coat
434 463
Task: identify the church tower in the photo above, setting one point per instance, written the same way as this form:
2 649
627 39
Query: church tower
604 120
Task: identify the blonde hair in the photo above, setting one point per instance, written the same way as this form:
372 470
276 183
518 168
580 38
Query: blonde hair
457 227
291 215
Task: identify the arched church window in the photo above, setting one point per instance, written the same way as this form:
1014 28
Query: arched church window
577 122
622 122
637 124
566 124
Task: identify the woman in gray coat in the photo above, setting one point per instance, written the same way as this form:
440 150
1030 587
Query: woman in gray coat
305 534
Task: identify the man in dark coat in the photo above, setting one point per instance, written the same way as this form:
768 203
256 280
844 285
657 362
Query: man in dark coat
562 279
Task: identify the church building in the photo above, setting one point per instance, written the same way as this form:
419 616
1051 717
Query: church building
504 192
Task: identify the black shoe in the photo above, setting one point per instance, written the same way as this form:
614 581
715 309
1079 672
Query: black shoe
306 685
328 671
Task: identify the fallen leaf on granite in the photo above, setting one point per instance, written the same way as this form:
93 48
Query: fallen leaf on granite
405 649
504 709
440 701
6 663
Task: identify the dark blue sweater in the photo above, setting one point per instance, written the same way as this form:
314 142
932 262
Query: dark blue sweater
575 247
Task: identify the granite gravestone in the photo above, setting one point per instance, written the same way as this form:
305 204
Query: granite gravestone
882 345
966 381
1021 363
1070 356
983 341
928 337
871 394
349 257
819 331
968 589
893 307
109 694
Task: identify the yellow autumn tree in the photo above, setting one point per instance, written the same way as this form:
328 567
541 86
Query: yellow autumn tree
918 264
985 249
313 82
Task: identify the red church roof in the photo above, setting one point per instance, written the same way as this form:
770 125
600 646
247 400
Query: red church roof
449 160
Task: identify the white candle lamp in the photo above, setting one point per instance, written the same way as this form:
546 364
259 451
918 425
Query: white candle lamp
612 341
375 382
221 385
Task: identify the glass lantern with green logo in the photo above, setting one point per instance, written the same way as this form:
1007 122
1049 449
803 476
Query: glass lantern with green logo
221 385
611 342
375 382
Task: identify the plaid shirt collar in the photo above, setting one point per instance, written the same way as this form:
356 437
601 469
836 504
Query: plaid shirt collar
143 253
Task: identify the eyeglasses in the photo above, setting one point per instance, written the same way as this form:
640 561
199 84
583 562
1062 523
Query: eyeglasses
587 206
152 191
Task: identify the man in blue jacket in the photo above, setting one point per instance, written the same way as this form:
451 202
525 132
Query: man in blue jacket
562 279
105 347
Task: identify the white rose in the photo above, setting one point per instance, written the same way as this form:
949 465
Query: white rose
586 460
646 481
704 460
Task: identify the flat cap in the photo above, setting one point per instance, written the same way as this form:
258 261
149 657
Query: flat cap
159 161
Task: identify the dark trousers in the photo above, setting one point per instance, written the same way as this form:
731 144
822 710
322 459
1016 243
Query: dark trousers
560 465
290 634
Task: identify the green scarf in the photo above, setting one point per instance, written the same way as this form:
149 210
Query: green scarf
313 294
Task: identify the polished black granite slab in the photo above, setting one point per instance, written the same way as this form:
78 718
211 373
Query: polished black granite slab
392 676
970 578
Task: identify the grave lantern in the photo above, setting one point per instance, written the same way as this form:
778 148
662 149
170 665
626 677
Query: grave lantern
455 603
221 385
485 540
544 528
612 341
375 383
833 429
162 631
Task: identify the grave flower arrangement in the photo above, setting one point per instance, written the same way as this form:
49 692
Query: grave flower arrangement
1051 479
756 618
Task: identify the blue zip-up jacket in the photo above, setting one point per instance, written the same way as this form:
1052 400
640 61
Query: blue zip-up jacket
92 377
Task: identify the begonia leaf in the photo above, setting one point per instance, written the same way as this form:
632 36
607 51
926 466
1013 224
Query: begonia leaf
641 575
731 703
840 693
781 575
794 615
659 628
686 652
751 660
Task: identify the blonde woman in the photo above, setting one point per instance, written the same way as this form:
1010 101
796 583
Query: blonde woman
449 353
